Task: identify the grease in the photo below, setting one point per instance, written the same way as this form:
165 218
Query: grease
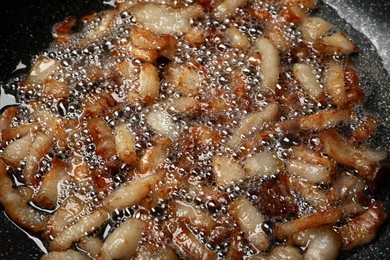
37 241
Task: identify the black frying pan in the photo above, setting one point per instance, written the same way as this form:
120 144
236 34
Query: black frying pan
26 30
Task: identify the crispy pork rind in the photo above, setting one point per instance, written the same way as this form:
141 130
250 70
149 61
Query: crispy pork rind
313 28
56 178
123 241
125 144
227 171
69 212
162 123
40 71
321 243
362 158
335 83
270 64
263 164
103 138
362 229
131 193
227 8
17 151
17 208
307 79
147 251
193 216
327 217
7 116
254 121
165 19
75 232
91 245
184 242
336 43
250 221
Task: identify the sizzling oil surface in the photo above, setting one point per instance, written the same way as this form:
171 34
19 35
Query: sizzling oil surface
219 61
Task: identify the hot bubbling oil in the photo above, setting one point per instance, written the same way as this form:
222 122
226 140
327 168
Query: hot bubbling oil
219 61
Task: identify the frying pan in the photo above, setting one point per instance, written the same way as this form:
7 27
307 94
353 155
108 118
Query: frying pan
25 30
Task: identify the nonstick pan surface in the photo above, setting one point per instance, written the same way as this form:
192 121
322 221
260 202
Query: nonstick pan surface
25 30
